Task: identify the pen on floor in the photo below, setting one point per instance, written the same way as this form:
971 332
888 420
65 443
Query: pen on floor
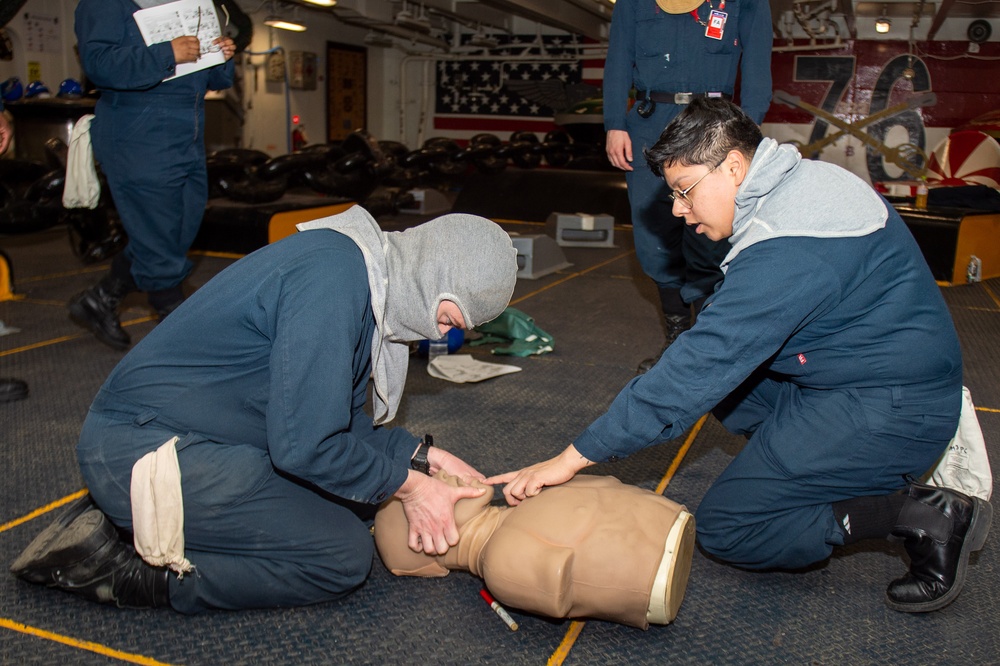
504 615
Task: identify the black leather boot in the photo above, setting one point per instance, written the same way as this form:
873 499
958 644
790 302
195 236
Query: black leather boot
12 389
83 553
940 528
678 317
97 309
165 301
676 324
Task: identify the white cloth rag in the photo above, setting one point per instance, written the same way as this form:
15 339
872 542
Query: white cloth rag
82 189
463 369
965 465
158 509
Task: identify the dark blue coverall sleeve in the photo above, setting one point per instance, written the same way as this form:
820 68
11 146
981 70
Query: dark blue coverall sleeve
755 62
618 66
115 57
109 64
761 304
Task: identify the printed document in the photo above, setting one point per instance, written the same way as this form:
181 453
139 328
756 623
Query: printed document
179 19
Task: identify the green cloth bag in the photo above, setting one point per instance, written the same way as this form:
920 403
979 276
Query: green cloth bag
518 330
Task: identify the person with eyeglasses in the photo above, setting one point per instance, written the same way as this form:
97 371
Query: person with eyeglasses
148 135
827 344
671 52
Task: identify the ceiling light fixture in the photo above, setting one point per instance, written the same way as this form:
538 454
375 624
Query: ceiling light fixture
882 23
322 3
284 24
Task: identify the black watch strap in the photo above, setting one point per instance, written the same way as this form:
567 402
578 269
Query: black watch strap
419 461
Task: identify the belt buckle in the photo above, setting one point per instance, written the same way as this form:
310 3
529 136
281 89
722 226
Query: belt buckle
683 98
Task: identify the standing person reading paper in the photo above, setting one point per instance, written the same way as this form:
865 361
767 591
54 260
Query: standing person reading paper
148 135
827 344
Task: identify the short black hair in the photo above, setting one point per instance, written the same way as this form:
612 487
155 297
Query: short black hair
704 133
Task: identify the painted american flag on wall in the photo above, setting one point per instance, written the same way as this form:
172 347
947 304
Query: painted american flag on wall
507 93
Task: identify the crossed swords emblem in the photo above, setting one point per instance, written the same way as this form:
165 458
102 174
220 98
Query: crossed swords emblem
906 156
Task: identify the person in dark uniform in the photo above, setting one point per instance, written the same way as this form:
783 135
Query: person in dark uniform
827 344
673 51
253 393
148 135
11 389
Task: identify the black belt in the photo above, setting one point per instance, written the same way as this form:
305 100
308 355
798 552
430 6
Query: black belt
646 104
681 97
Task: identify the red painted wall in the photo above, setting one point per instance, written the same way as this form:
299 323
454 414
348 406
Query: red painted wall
967 85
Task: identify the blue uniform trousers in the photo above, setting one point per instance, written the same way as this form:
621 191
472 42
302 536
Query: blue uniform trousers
669 251
807 448
256 538
152 151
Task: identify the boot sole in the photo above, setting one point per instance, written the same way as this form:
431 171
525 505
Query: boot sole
43 541
67 543
979 528
80 313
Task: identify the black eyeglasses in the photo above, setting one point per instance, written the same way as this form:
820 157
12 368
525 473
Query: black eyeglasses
682 195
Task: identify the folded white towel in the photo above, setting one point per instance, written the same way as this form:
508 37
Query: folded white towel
158 509
82 189
965 465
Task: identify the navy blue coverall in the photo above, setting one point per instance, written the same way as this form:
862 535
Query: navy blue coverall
837 357
263 374
661 52
149 138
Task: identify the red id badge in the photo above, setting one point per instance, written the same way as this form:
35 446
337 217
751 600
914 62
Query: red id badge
716 24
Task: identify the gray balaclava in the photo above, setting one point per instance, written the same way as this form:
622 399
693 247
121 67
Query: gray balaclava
466 259
460 258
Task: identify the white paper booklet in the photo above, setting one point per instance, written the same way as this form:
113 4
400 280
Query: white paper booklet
182 18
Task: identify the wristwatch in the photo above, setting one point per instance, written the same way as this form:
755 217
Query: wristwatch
419 460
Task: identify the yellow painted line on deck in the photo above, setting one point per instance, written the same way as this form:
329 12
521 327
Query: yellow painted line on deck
52 276
90 646
43 510
576 626
82 645
695 429
988 409
572 276
66 338
568 640
39 301
217 255
992 293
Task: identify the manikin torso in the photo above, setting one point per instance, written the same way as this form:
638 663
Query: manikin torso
592 547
